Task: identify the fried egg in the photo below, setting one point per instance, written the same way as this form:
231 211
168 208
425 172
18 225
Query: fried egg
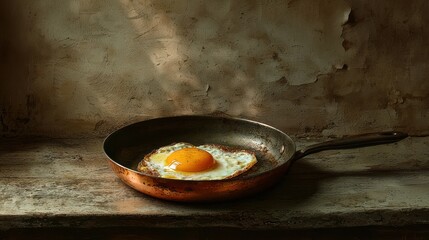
204 162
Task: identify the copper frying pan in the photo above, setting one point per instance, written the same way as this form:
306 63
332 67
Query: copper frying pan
274 150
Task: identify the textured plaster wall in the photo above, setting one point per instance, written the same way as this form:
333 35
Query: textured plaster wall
85 67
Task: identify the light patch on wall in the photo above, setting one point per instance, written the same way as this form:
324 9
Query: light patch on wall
192 45
298 40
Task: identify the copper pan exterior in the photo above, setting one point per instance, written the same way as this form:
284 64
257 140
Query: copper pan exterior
197 191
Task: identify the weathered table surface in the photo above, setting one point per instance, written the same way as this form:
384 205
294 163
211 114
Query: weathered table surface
67 183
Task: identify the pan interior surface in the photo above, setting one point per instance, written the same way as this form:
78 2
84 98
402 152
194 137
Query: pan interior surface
127 146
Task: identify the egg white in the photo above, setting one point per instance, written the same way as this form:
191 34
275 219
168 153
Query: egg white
229 163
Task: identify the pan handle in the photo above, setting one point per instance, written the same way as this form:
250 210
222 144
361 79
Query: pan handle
355 141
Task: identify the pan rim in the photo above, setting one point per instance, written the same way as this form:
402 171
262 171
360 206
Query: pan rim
291 141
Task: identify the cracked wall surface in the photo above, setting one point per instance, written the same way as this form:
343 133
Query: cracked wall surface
83 68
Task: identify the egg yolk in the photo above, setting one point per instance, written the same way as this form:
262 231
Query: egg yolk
190 160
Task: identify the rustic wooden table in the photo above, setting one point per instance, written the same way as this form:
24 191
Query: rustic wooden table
66 183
